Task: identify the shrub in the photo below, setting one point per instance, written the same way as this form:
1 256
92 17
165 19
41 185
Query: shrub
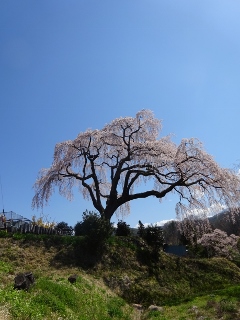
152 234
68 230
95 229
123 229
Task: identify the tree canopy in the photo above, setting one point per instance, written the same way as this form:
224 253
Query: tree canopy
107 165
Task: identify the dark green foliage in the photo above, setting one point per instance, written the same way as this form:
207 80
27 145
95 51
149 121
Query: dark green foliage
141 229
123 229
68 230
152 234
95 229
183 240
62 225
144 255
197 251
4 234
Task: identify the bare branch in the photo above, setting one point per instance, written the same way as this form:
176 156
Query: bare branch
107 165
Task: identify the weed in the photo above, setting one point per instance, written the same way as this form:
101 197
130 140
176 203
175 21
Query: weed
211 304
155 315
225 306
5 267
151 281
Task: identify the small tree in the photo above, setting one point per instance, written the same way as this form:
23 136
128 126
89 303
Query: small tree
63 226
152 234
218 243
141 229
94 227
123 229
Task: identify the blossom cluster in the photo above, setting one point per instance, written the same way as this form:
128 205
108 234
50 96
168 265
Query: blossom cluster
107 165
218 243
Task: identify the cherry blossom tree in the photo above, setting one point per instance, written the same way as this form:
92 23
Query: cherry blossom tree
108 165
193 228
218 243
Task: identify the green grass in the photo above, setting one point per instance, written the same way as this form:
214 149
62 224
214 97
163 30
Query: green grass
57 298
222 304
160 278
107 285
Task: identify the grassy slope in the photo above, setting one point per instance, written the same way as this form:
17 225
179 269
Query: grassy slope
128 268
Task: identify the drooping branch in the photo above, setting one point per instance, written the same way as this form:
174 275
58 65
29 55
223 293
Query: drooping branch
107 165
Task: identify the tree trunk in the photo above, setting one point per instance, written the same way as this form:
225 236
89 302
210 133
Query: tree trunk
108 212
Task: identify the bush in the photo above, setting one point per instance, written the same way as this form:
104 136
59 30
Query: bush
123 229
95 229
65 228
62 225
152 234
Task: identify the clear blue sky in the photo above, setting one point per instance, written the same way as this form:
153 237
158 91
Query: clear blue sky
66 66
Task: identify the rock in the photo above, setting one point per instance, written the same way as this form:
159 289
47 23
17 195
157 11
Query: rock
23 281
30 276
72 278
125 283
155 308
194 309
137 306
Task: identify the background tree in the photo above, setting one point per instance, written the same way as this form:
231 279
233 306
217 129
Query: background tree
153 235
106 165
64 227
192 228
171 231
218 243
224 222
123 229
141 229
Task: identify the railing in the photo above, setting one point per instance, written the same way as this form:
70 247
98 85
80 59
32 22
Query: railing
13 222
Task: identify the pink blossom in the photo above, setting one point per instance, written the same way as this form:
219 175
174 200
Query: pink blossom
218 243
107 165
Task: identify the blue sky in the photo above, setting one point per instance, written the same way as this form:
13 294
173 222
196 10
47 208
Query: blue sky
66 66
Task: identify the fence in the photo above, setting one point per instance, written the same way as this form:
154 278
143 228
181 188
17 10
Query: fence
13 222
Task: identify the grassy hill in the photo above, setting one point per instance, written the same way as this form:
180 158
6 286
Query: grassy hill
109 281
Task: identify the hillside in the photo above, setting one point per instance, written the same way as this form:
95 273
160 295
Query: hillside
108 282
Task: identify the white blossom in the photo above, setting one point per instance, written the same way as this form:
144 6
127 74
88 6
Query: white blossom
106 166
218 243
